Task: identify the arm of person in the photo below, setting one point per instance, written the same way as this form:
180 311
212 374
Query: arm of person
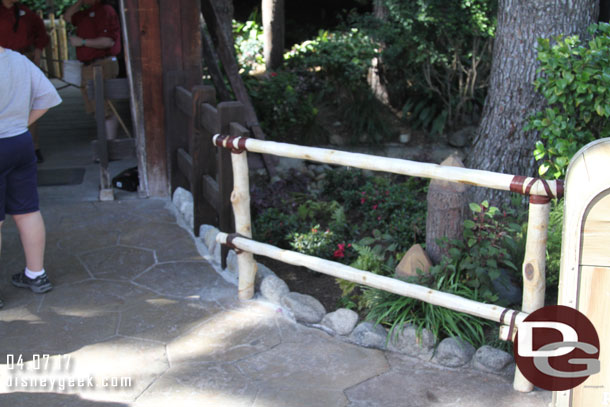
70 11
37 56
99 42
35 115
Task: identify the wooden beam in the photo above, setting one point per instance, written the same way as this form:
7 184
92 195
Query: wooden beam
211 193
185 163
106 191
119 149
114 89
208 119
184 100
131 41
152 89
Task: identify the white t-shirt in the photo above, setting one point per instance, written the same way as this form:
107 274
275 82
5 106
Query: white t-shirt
23 88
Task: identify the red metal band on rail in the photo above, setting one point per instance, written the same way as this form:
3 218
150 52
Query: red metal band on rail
516 185
218 141
539 199
559 184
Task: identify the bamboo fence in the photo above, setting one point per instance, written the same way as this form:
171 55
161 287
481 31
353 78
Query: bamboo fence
540 193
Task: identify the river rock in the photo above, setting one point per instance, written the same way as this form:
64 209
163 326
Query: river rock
453 352
274 288
305 308
341 321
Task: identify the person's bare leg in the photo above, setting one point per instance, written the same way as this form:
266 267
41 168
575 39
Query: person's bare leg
33 238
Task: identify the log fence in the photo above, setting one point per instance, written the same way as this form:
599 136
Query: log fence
540 193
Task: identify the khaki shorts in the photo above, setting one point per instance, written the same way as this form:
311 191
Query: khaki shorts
110 70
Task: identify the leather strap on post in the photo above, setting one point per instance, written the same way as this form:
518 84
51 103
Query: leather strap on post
230 243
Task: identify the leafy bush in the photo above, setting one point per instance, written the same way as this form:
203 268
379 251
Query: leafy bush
248 41
314 242
436 57
490 241
337 64
575 81
284 106
60 5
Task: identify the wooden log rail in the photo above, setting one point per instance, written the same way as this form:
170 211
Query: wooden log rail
540 192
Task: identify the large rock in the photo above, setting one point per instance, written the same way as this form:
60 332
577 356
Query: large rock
232 265
412 344
489 359
305 308
369 335
415 259
453 352
262 271
207 233
342 321
181 198
274 288
461 138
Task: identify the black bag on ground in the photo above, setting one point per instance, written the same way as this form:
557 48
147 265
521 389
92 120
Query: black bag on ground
127 180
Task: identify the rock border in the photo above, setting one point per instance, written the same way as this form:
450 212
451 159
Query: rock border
343 323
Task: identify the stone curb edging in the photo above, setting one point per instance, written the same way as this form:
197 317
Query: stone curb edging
343 323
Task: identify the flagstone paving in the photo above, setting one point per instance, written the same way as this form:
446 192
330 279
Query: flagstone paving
142 319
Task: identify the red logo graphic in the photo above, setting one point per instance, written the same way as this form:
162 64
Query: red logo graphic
557 348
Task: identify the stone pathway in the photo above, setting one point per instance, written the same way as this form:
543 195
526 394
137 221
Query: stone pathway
139 317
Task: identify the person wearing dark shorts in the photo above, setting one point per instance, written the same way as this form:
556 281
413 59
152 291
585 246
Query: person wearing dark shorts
25 95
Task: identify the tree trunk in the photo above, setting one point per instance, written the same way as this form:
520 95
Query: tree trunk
501 144
273 32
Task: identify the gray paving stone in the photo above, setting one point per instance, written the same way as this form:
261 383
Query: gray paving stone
118 262
186 280
299 395
414 383
229 336
326 364
84 240
94 296
194 385
163 319
170 242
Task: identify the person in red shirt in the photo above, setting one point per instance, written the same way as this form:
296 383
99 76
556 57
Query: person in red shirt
23 31
97 42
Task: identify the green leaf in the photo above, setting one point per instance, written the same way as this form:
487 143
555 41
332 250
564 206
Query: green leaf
469 224
475 207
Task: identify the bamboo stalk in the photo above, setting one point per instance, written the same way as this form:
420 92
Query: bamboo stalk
488 179
240 198
534 284
63 40
54 47
435 297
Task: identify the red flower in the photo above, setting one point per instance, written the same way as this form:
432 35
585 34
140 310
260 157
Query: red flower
314 230
339 253
362 200
273 74
374 206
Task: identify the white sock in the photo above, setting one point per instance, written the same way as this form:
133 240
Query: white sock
33 274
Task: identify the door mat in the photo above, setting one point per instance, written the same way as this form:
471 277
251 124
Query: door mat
60 176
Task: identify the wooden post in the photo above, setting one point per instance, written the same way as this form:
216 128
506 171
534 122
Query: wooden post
240 198
445 215
228 112
177 128
584 279
534 283
106 191
200 149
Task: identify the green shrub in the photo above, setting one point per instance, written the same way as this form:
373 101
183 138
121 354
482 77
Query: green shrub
575 81
436 58
284 106
60 5
248 41
337 64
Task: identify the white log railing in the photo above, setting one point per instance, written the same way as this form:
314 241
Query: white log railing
540 193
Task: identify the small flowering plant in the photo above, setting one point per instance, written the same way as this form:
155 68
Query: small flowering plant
316 242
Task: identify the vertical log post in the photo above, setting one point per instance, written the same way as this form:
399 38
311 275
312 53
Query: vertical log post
55 47
228 112
445 215
240 198
534 283
106 191
63 40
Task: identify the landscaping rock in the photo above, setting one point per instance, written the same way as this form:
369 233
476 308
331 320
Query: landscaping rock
274 288
415 259
489 359
461 138
208 233
232 262
181 196
337 140
188 213
369 335
453 352
404 138
262 271
409 343
342 321
304 307
285 164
